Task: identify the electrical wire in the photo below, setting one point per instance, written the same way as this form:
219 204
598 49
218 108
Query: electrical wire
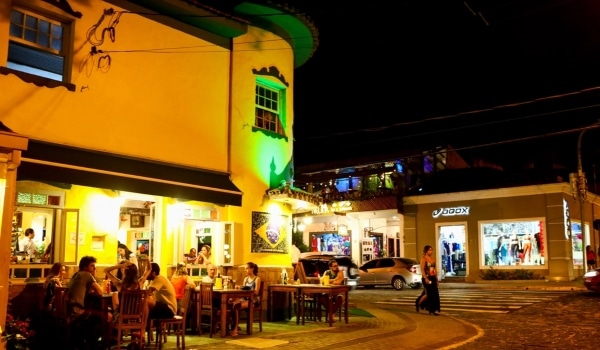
91 35
472 112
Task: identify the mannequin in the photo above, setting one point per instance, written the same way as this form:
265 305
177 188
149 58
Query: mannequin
527 248
514 247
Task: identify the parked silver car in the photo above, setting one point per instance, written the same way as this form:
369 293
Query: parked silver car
396 272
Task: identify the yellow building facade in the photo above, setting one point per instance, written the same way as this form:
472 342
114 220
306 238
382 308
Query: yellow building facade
162 127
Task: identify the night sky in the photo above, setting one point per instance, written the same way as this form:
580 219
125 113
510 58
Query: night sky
397 75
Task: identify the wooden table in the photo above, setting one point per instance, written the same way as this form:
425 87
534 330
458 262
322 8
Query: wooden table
300 290
331 291
225 295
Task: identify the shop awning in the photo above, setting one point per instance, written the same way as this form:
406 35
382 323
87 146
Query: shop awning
49 162
297 199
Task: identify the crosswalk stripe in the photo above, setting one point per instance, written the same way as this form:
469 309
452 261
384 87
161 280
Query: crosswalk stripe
455 309
467 303
479 301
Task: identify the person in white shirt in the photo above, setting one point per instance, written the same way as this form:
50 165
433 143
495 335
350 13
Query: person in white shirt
27 244
295 257
212 273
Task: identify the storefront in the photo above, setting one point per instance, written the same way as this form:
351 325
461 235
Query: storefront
521 228
346 228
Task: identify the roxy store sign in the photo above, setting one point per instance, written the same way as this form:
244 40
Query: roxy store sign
450 211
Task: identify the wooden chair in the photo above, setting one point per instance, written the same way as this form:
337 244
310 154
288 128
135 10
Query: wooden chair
61 312
208 311
258 309
132 317
340 311
177 323
310 303
143 264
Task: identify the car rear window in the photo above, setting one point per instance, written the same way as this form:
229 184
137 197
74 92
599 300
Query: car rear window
315 266
407 261
344 261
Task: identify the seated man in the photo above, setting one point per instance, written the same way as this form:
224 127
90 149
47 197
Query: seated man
164 302
212 274
336 277
87 321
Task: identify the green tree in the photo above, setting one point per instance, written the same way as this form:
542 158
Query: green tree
297 236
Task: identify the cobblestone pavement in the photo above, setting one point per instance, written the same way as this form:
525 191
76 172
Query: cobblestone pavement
569 322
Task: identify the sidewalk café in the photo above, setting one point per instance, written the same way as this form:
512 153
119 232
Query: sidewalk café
70 223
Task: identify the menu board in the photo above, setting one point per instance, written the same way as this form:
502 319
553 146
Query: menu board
367 249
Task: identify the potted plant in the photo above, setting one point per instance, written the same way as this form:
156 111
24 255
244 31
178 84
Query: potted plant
40 253
16 334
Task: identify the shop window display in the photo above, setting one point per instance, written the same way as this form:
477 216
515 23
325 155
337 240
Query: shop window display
330 243
452 240
577 242
513 243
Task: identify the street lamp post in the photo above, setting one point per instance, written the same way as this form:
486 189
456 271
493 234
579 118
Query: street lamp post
581 195
579 189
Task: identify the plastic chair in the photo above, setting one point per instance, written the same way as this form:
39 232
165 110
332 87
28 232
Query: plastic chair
133 315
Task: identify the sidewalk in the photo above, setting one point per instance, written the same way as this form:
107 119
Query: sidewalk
385 329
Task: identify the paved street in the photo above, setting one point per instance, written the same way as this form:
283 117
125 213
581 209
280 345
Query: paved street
568 322
527 319
473 317
457 301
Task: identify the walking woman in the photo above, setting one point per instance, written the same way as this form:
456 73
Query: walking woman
430 298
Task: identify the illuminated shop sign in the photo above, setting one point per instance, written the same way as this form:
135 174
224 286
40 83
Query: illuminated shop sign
453 211
567 217
333 208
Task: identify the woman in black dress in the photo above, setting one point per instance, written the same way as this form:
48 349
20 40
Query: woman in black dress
430 298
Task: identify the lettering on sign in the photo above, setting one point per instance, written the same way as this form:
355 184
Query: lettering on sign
333 208
450 211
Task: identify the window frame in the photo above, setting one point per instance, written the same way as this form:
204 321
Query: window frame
279 130
51 14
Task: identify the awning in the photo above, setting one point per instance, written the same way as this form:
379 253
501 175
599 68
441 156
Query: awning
297 199
56 163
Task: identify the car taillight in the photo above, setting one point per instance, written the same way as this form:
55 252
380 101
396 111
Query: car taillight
413 269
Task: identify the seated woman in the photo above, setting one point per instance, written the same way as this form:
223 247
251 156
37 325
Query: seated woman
54 279
251 281
130 281
180 280
205 255
191 257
